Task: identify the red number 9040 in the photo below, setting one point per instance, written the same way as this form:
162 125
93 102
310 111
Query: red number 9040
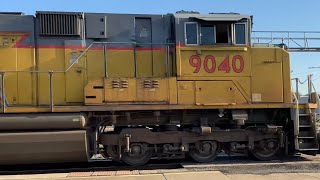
210 64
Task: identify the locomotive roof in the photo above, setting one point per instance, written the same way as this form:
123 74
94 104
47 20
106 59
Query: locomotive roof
205 17
213 16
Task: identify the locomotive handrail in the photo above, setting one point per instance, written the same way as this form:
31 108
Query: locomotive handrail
317 95
81 55
296 41
106 43
296 119
311 89
286 31
51 72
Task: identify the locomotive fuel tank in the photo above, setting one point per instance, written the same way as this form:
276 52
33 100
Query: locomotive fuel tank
42 121
43 138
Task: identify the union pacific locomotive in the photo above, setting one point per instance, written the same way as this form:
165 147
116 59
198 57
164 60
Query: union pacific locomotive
132 87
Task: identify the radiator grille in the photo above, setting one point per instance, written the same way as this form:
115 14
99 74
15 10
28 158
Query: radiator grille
60 24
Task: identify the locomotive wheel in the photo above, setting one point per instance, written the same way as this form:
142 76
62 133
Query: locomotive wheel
204 151
266 150
140 154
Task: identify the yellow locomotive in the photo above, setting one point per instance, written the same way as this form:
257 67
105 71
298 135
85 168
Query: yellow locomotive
135 86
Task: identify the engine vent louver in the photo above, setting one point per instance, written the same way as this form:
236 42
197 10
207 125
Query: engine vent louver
60 24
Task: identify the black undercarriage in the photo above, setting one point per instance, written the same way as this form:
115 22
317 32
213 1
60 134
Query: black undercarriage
134 137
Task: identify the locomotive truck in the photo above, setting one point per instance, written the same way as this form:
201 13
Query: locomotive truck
132 87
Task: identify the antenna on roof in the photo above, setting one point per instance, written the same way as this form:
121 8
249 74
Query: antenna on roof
187 12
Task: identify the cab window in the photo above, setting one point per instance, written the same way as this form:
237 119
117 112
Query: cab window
191 33
207 35
240 33
215 33
223 33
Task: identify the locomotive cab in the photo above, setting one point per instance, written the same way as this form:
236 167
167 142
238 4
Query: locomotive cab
215 29
215 49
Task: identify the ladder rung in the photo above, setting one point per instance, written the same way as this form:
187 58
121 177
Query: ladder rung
306 137
305 126
309 149
303 114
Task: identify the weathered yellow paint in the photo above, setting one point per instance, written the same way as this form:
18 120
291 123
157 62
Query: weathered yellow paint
264 81
144 61
217 93
26 80
120 90
214 92
243 84
153 90
51 59
120 63
94 92
95 65
265 77
133 90
267 74
159 63
173 92
186 92
75 76
18 85
185 69
286 77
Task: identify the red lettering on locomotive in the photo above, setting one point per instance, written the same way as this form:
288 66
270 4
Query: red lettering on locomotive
237 64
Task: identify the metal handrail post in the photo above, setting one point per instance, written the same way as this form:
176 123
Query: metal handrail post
105 61
309 86
3 105
296 121
135 59
317 95
297 87
167 61
50 91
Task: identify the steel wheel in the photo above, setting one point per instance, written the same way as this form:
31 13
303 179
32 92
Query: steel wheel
266 150
204 151
140 154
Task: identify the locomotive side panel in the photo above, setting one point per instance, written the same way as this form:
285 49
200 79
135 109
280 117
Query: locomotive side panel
267 76
136 48
217 49
17 53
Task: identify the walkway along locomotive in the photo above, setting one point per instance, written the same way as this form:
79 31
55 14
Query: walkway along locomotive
134 87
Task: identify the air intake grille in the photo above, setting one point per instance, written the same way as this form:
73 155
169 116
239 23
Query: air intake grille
60 24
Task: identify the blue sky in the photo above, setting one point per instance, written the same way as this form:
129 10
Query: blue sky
268 15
